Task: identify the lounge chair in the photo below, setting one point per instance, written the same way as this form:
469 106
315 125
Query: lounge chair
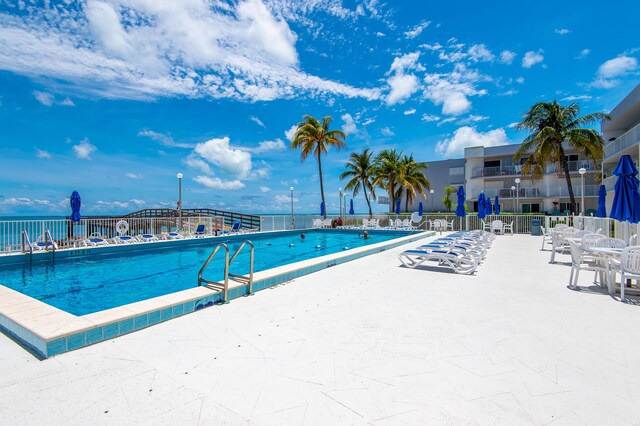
199 232
42 244
458 262
124 239
96 239
172 236
146 238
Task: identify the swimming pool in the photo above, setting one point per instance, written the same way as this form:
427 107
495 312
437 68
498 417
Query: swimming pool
85 284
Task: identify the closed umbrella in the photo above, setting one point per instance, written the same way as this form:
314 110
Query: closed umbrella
496 206
460 211
420 209
481 206
75 202
625 199
488 206
398 206
322 208
602 201
351 206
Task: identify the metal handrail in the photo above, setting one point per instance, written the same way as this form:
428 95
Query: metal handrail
226 270
25 237
251 259
47 237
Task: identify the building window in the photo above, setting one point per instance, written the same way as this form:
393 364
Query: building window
531 208
456 171
492 163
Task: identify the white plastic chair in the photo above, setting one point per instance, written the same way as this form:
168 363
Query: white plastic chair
508 228
629 267
583 261
497 226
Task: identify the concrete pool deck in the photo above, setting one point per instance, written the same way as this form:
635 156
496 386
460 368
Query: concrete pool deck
366 342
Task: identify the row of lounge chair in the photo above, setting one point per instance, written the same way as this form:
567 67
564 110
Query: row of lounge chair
461 252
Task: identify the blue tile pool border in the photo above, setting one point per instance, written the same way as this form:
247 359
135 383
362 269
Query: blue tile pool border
56 345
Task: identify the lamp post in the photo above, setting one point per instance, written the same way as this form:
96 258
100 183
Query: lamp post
582 171
431 192
179 224
517 195
293 221
513 189
340 209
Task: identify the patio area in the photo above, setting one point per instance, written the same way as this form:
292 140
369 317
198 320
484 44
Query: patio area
366 342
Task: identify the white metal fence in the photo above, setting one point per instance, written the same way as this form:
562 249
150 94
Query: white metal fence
68 234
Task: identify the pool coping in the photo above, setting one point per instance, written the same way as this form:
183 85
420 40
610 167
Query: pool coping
49 331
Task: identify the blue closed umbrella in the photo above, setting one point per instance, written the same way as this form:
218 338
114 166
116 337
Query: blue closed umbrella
496 206
398 206
481 206
602 201
626 200
420 209
488 206
460 211
322 208
351 208
75 202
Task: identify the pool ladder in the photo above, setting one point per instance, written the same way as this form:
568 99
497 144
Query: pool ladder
48 242
224 285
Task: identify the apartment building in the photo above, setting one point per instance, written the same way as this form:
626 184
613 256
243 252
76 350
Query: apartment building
622 137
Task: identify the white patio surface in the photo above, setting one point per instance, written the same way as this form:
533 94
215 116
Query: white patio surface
367 342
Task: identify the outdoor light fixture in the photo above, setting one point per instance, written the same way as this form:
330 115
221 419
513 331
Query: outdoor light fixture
293 222
432 192
582 171
179 224
517 195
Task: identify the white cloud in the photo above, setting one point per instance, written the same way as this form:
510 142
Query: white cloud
428 118
446 120
577 98
561 31
369 121
133 175
379 34
144 49
513 125
197 163
583 53
417 30
265 189
284 199
410 111
268 146
610 72
507 57
230 160
257 121
480 53
531 58
471 119
509 92
387 132
67 102
84 149
163 139
46 99
40 153
468 136
403 85
520 80
113 204
289 134
217 183
349 126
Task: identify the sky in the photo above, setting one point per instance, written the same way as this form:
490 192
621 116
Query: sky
113 98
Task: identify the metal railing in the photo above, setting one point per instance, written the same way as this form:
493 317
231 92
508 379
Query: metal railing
215 284
622 142
242 278
516 169
248 220
538 192
26 242
573 166
67 234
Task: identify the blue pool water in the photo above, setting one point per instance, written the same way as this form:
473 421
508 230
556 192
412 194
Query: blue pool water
86 284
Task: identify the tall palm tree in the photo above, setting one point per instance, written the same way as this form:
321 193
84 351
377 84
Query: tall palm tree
551 125
387 171
314 137
359 170
412 179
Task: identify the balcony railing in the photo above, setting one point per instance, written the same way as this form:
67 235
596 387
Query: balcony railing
535 192
623 142
516 169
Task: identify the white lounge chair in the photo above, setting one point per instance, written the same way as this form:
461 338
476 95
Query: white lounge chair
146 238
459 263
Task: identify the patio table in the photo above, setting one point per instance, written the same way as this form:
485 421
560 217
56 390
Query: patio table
607 254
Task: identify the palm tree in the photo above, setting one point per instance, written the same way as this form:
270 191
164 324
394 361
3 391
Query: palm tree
359 170
412 179
552 125
446 200
387 171
313 137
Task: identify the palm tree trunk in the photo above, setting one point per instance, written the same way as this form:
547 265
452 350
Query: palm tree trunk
321 187
364 187
406 203
392 196
567 177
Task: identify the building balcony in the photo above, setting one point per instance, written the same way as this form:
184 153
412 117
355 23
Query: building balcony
622 142
516 169
539 192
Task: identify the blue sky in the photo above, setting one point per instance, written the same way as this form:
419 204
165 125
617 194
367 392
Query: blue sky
115 97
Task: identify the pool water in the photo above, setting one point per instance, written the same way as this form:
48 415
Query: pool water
88 284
